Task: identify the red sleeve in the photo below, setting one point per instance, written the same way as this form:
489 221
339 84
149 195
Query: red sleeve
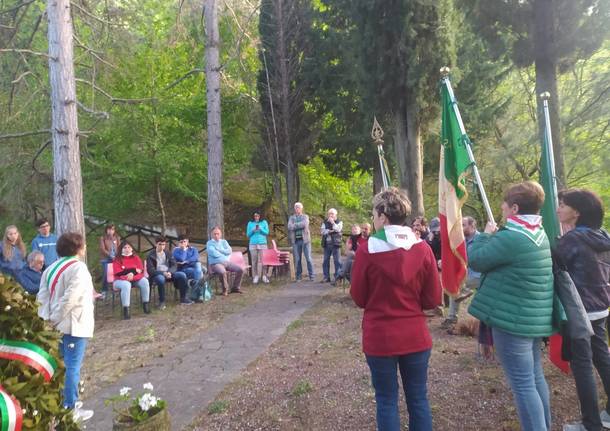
431 294
116 268
359 284
138 265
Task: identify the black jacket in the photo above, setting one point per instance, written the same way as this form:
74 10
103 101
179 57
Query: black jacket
151 262
585 254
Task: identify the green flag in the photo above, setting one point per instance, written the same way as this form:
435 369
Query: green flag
549 209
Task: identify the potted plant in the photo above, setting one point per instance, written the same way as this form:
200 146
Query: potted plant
141 412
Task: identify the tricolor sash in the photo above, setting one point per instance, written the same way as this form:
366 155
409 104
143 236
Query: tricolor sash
392 237
57 270
529 225
30 354
11 416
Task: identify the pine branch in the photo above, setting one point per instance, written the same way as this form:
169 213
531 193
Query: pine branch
24 134
116 99
27 51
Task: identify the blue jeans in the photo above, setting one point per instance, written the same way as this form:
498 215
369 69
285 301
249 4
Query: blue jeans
72 349
520 359
105 262
179 279
125 287
335 253
414 375
299 247
193 271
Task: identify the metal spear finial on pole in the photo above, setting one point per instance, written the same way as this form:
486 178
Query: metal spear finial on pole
377 135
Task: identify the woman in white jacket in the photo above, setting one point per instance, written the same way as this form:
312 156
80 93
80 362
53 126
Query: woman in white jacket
66 302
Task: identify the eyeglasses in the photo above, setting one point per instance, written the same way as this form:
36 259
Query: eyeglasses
44 225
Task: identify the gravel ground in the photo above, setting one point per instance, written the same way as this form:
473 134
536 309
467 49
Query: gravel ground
315 378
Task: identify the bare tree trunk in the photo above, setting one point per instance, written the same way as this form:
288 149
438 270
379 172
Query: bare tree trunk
161 205
546 78
68 188
408 150
290 168
215 151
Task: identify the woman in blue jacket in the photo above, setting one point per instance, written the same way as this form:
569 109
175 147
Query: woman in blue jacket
257 231
219 259
12 255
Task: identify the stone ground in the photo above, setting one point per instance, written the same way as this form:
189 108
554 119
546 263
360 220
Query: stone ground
192 372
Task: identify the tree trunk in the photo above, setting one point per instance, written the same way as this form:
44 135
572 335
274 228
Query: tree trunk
409 153
290 169
215 152
68 188
377 180
546 78
161 204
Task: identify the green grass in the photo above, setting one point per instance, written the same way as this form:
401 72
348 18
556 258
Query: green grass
301 388
295 325
219 406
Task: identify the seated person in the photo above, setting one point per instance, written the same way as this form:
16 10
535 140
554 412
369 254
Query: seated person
29 276
45 242
187 260
12 258
129 270
350 251
161 267
219 252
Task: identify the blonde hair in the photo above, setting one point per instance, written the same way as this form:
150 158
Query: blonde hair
394 204
7 247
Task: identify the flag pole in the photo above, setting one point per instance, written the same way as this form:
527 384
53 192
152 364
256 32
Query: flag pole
475 170
549 142
377 135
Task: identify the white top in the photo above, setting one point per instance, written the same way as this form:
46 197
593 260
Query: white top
70 310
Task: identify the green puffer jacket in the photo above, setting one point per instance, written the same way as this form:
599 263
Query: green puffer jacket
516 290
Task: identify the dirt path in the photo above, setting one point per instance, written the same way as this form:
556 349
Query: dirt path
315 378
194 371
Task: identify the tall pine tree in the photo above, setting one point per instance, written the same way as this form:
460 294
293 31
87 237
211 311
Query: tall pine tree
550 34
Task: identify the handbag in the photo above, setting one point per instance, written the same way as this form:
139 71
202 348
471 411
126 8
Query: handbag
578 324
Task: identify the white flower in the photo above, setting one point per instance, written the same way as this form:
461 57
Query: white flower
148 386
124 391
147 401
35 413
7 308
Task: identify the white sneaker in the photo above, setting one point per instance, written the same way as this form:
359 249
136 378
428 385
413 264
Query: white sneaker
605 417
81 415
265 279
574 427
255 280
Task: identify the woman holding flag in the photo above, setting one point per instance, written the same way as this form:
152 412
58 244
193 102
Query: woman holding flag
394 278
515 298
66 301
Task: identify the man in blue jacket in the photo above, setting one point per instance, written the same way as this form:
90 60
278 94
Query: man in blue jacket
45 241
29 276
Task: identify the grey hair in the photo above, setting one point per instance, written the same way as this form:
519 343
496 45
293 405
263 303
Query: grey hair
298 204
33 255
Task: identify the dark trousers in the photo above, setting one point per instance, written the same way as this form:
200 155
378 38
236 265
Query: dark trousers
335 252
586 353
414 374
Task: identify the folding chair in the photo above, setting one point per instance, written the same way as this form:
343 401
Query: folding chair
272 259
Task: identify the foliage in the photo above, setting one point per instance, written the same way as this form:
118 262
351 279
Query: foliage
218 406
41 400
301 388
138 408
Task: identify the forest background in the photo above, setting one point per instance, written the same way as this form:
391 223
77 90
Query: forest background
301 81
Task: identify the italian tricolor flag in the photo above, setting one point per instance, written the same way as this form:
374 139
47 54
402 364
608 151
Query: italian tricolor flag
11 417
454 163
